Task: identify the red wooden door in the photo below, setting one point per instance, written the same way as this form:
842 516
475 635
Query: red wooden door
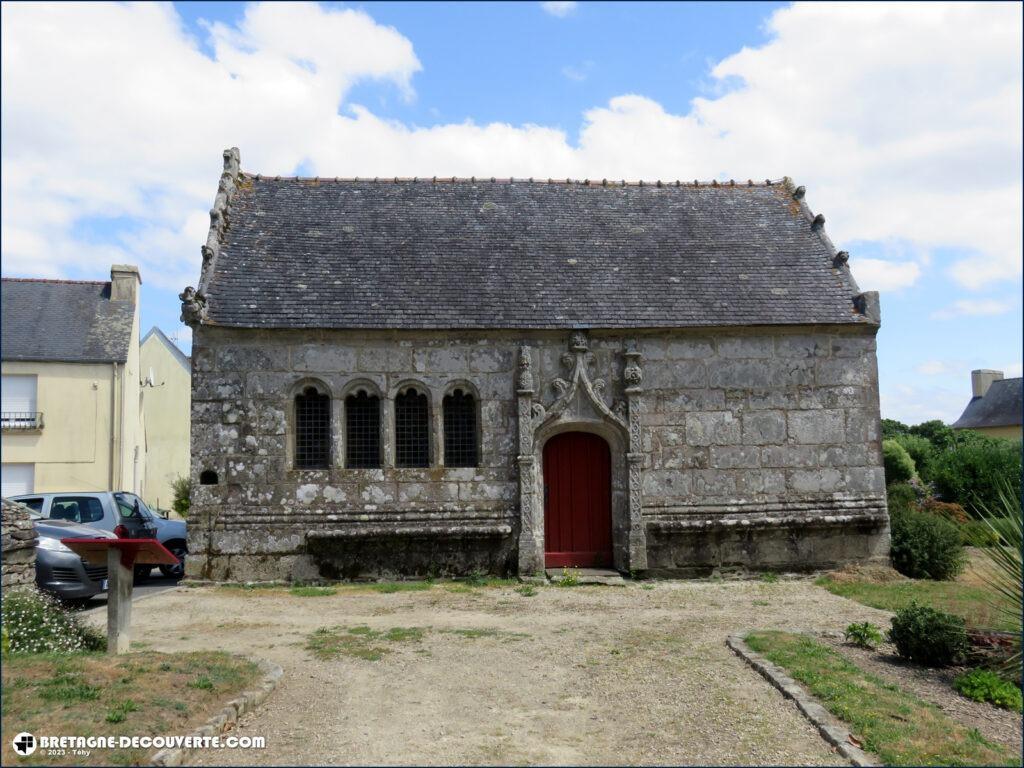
577 501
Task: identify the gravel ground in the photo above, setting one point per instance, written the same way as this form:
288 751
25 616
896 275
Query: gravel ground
588 675
936 686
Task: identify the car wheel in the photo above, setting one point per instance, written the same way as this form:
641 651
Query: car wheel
177 570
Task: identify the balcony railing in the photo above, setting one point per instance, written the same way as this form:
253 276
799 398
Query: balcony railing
21 420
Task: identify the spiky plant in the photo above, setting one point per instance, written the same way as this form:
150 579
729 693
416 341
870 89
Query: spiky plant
1004 576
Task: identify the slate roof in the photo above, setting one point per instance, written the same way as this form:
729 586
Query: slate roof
63 321
410 254
1000 407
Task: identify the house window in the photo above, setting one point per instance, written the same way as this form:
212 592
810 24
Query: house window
460 429
18 410
412 429
362 431
312 430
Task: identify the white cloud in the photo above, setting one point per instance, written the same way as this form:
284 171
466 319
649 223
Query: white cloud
880 275
972 307
912 404
85 135
559 9
904 122
1013 370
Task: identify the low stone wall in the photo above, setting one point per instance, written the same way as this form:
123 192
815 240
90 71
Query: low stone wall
19 545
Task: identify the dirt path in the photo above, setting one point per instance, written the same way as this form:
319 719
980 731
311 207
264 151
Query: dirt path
587 675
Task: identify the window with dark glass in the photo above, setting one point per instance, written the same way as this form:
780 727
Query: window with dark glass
412 429
312 430
362 431
460 430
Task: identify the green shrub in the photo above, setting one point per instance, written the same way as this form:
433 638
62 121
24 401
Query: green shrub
971 472
36 623
181 487
935 432
899 467
921 451
865 634
986 685
925 546
927 636
902 496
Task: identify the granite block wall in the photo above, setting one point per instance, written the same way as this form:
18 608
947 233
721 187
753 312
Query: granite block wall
760 449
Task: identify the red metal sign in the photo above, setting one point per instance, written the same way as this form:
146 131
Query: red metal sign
133 551
577 501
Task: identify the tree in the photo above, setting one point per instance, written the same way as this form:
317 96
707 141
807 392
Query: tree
891 428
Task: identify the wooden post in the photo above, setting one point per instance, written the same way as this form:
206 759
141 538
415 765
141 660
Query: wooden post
119 602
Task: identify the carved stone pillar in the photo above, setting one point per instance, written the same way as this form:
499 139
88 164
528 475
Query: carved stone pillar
634 377
531 514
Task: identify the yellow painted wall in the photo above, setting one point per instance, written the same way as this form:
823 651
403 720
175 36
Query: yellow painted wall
73 449
167 412
1011 433
133 447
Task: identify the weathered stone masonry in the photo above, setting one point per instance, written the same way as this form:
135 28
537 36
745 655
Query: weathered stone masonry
709 333
750 448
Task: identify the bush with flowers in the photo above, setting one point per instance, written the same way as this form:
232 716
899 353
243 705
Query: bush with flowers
34 622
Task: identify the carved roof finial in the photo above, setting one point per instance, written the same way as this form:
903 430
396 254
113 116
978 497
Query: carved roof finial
818 223
799 192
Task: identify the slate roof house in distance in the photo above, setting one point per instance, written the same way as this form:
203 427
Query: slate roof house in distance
995 406
429 376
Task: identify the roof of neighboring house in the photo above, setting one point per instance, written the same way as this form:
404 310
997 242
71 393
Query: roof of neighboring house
70 321
178 355
465 253
999 407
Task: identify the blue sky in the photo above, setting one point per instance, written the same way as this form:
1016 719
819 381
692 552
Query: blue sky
902 121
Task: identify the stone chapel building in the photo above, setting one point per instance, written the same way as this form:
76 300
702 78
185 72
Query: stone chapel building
440 375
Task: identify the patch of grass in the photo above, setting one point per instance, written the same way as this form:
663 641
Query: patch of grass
120 711
476 633
646 586
968 601
68 686
769 577
761 603
359 642
203 683
526 590
986 685
311 591
388 587
141 694
897 726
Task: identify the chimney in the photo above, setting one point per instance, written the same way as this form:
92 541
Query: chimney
124 282
981 380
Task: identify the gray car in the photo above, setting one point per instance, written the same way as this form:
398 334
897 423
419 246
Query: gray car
112 511
58 569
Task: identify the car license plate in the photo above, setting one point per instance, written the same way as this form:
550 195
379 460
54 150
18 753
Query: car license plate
103 585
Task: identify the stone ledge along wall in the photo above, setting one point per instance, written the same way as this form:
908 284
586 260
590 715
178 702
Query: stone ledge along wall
18 558
761 450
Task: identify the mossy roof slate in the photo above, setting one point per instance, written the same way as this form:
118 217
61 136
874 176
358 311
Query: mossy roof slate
422 254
